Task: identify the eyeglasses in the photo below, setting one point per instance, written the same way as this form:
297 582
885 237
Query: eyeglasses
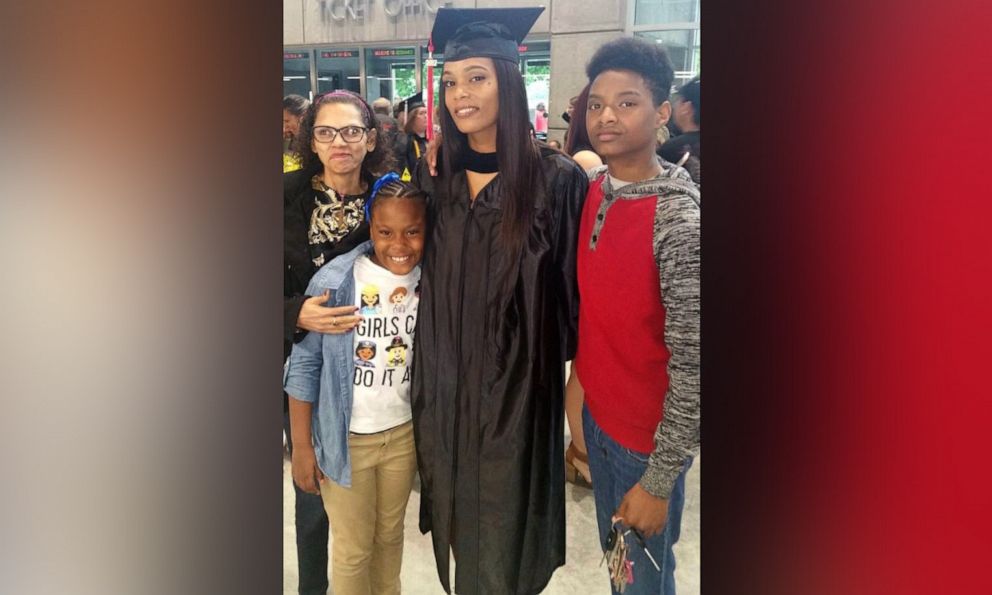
350 134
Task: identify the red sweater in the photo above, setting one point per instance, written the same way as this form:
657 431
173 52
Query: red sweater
622 358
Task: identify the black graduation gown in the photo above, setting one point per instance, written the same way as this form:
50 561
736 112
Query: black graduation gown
409 149
488 382
677 147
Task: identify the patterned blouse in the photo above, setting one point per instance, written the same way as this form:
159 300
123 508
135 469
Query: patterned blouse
333 218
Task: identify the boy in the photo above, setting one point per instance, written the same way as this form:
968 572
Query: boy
639 240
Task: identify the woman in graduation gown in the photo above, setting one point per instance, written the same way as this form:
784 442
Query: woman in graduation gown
497 319
412 144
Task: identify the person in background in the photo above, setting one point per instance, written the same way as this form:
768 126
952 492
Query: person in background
497 318
293 109
554 144
412 144
541 122
684 149
388 124
567 115
577 144
353 435
663 136
400 115
639 233
323 217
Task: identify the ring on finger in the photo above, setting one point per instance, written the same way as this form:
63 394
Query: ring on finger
334 321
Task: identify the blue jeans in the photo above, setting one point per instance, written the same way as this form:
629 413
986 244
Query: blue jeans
615 470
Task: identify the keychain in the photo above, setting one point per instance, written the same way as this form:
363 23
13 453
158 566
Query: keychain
615 555
621 569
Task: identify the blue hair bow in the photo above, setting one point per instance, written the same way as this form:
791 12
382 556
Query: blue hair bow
390 177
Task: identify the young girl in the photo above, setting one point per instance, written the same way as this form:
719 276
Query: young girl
352 434
342 153
497 318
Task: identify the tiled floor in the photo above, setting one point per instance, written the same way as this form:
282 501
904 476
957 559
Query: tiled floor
581 574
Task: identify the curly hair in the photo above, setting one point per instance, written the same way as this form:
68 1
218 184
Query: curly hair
377 162
636 55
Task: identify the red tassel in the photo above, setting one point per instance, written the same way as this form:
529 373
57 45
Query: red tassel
430 88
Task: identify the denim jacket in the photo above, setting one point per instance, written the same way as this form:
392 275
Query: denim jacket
321 367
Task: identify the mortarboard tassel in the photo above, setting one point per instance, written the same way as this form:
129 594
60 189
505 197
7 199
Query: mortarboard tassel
431 63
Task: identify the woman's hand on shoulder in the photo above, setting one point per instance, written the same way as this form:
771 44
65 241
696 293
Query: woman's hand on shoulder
587 160
431 155
316 317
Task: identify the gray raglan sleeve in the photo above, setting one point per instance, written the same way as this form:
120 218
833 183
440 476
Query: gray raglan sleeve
676 250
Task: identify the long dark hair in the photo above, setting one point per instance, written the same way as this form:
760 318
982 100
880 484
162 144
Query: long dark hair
376 163
516 152
578 134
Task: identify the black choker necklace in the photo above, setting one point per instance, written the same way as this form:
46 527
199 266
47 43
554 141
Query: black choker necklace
483 163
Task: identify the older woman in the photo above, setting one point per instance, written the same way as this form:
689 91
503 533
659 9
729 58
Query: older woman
294 107
323 212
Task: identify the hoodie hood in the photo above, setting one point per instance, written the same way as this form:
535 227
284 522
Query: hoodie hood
673 180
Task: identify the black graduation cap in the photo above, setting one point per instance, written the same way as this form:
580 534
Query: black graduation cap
461 33
413 102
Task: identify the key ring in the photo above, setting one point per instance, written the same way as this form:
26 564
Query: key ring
640 540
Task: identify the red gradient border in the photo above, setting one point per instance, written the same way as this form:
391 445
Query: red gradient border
847 298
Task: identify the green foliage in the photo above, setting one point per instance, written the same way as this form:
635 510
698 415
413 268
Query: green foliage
538 70
406 83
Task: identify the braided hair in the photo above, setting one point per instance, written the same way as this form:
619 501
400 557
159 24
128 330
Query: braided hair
390 186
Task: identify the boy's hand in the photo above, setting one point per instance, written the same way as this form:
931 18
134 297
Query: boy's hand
642 511
316 317
306 473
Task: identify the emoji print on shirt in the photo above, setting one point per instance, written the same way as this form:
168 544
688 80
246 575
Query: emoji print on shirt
397 298
396 353
364 354
371 305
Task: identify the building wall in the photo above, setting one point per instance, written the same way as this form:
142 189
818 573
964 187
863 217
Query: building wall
576 29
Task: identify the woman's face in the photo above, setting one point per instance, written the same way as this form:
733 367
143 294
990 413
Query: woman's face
290 124
471 94
338 156
419 117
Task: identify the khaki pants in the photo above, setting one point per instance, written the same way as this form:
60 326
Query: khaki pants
367 518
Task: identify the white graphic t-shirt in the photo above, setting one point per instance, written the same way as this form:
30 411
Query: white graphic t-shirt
383 346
